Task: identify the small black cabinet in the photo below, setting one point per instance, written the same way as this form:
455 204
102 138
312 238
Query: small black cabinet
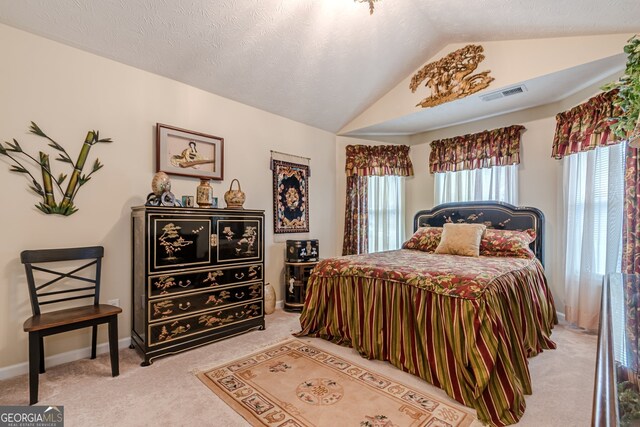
296 276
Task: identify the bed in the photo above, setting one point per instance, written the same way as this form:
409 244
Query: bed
464 324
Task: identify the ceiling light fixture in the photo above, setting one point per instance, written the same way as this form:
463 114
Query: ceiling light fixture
371 2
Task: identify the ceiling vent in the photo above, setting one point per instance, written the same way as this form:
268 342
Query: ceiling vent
504 93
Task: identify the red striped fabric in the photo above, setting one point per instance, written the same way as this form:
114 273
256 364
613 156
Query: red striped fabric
473 345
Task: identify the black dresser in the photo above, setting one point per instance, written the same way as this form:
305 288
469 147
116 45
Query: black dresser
198 276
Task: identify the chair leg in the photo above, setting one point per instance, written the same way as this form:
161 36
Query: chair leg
94 341
42 355
34 364
113 346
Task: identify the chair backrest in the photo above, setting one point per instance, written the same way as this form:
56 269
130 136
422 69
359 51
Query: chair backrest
46 293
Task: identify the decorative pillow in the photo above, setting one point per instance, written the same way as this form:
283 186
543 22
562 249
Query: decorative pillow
426 239
507 243
461 239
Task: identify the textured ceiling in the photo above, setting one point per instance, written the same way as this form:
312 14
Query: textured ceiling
319 62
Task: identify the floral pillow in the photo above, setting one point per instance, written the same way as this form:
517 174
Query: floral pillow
507 243
426 239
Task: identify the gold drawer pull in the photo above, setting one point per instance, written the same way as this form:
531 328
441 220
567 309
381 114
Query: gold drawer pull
185 285
186 307
239 295
239 276
239 315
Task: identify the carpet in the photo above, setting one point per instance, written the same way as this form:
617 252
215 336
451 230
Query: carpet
295 384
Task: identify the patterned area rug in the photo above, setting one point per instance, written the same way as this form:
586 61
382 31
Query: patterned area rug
295 384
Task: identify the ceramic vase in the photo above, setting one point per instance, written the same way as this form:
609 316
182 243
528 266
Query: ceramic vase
160 183
204 194
269 299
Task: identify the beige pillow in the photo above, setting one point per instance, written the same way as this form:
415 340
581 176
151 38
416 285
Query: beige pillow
461 239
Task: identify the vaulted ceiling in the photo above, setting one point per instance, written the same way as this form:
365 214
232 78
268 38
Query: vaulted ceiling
319 62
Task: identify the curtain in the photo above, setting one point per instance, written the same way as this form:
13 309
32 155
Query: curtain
386 213
497 183
593 205
497 147
378 160
356 216
631 230
363 161
585 126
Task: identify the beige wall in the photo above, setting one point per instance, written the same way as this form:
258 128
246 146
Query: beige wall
67 92
539 178
510 62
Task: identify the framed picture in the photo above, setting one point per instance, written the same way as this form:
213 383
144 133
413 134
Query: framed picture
290 197
187 153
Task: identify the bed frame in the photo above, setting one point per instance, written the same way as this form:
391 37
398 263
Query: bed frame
498 215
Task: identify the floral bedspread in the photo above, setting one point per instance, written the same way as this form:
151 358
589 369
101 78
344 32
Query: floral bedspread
451 275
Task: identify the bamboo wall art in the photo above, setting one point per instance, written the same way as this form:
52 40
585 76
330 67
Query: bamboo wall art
52 184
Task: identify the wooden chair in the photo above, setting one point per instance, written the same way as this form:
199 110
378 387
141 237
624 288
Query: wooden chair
52 322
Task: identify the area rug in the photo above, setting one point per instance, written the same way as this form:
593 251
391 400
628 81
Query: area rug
295 384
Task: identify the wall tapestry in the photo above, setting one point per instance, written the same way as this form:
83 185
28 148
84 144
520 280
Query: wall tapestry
51 183
290 197
449 77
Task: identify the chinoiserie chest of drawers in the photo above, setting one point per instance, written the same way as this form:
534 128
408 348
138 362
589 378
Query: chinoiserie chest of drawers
198 276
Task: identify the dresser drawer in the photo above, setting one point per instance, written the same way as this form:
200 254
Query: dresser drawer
182 305
179 329
188 282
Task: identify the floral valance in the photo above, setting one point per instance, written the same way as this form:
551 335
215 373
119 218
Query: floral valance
378 160
585 126
496 147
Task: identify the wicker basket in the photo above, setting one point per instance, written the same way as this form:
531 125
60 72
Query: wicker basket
234 198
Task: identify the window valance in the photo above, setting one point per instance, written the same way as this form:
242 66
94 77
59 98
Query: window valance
585 126
496 147
378 160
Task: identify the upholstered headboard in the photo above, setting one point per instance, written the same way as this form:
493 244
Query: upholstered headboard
498 215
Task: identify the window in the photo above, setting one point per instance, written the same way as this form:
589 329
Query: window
386 213
593 193
496 183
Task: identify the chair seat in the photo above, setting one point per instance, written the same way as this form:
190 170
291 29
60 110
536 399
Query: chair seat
69 316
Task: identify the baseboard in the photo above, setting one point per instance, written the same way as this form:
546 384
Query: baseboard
59 359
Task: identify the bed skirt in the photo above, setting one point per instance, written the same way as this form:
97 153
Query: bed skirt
474 349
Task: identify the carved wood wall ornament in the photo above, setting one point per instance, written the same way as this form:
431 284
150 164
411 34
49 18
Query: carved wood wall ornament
371 2
450 77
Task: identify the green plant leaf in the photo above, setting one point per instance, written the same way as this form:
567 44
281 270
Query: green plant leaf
15 147
19 169
35 129
97 165
63 158
628 99
44 208
36 187
83 180
61 178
